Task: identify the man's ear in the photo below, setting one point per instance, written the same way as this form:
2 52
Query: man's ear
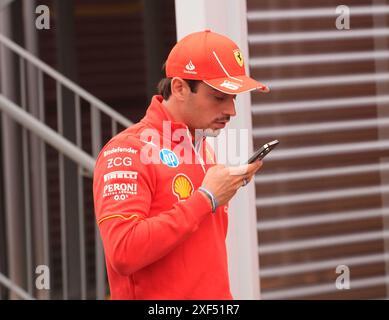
180 89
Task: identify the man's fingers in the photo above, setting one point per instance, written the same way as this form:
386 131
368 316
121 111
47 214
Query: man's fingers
239 170
245 169
254 167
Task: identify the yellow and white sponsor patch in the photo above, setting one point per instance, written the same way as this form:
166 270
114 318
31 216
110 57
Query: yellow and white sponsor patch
182 187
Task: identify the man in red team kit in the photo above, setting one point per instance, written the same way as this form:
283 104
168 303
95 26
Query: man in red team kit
160 199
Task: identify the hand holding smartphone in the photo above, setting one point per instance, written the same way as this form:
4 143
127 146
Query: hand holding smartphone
263 151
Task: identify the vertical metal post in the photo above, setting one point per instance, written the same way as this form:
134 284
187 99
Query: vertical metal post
3 238
114 127
66 51
100 262
37 158
62 191
27 182
43 183
81 215
70 228
12 166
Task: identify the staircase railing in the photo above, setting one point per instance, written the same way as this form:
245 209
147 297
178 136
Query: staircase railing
74 151
52 138
47 134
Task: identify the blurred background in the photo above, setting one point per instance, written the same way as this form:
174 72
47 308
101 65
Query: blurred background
321 198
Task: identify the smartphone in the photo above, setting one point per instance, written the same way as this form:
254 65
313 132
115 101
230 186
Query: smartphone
263 151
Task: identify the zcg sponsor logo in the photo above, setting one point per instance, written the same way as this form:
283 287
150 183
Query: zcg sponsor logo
118 162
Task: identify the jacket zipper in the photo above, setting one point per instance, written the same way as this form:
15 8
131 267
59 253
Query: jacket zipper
194 150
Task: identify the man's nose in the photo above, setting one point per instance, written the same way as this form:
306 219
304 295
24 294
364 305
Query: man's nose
230 108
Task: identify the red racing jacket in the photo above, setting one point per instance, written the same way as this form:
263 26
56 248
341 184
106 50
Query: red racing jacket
160 237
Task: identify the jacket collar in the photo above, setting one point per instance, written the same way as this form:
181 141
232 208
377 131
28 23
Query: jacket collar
158 117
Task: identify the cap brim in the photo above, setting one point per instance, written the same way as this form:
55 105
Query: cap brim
236 84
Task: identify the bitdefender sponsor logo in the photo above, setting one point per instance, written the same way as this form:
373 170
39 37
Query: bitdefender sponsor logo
120 150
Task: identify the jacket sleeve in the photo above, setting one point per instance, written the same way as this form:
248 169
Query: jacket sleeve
123 189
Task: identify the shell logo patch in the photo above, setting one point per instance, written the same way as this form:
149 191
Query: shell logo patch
182 187
238 57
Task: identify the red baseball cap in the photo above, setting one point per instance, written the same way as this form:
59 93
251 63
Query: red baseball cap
214 59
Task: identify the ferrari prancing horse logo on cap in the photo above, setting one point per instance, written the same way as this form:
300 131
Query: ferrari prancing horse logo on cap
238 57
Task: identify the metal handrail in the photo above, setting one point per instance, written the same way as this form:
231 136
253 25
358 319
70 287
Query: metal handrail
47 134
15 288
65 147
4 3
95 102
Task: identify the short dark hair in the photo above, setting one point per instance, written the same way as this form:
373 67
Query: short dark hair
164 86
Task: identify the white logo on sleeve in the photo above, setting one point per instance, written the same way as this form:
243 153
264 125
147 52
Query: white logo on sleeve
132 175
119 161
120 150
124 189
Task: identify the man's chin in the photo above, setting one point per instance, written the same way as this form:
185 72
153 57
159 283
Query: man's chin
211 132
